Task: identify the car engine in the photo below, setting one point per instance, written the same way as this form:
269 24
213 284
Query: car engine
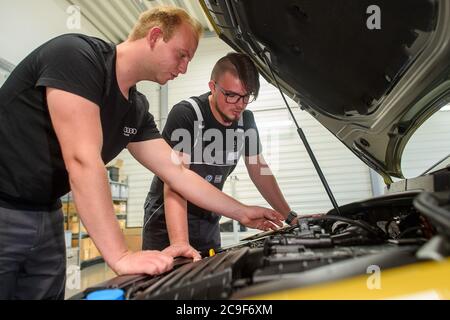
387 232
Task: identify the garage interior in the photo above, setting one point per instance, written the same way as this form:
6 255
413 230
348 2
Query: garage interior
349 178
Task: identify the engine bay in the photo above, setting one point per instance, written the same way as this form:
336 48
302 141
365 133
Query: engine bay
387 232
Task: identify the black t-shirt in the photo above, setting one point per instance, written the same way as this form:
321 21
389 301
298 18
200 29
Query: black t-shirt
32 170
214 151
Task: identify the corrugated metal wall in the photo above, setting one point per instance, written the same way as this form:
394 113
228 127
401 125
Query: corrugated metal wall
348 176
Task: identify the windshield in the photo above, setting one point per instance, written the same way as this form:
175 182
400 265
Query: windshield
429 145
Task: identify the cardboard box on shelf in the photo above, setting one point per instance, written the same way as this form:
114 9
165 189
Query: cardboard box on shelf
133 238
94 253
134 243
84 254
69 207
88 250
133 232
123 224
75 228
84 247
120 208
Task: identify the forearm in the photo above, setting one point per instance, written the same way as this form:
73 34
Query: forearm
93 201
175 208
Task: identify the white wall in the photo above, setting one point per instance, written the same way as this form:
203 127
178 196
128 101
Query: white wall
26 24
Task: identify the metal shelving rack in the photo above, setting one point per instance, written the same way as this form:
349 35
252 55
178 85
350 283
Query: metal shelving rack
119 191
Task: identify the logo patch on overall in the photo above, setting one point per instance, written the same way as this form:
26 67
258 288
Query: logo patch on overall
218 179
209 178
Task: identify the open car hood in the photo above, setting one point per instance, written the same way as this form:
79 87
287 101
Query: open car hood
371 88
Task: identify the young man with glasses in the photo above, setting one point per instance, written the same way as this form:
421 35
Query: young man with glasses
209 133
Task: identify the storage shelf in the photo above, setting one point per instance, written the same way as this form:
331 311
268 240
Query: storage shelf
91 262
119 192
76 236
120 199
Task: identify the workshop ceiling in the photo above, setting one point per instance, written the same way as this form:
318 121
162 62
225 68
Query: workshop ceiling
116 18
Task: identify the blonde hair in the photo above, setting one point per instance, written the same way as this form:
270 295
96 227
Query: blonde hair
168 18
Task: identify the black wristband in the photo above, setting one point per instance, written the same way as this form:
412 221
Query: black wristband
291 216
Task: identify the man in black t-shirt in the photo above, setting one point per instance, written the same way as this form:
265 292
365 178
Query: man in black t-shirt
210 132
67 109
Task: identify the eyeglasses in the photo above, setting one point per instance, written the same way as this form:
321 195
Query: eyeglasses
233 97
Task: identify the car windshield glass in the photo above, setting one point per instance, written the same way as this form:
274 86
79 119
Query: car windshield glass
428 146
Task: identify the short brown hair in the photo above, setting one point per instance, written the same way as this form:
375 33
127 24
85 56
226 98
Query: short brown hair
168 18
239 65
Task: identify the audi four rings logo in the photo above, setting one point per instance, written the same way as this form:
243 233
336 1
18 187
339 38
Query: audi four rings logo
129 131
